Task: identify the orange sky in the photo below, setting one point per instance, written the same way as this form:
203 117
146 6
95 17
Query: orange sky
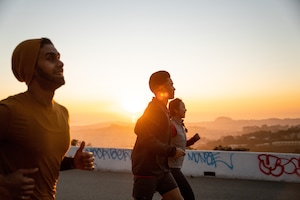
261 107
227 58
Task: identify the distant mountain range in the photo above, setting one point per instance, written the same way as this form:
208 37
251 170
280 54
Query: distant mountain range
224 125
121 135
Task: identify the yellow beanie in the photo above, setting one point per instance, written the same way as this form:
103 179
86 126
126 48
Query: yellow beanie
24 59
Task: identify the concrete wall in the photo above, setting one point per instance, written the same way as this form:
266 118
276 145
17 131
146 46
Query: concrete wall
223 164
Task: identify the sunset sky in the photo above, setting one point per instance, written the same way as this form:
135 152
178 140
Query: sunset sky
232 58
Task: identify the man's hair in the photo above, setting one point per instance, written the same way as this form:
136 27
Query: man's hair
174 105
157 79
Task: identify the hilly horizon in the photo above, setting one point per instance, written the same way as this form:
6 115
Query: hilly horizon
121 134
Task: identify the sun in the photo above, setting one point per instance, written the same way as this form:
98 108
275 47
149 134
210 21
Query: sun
132 105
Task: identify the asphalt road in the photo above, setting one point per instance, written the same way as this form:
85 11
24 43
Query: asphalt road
97 185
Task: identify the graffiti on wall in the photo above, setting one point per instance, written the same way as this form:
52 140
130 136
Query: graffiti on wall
276 166
211 158
111 154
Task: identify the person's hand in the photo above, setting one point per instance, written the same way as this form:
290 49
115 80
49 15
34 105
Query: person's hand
196 137
19 184
84 160
179 153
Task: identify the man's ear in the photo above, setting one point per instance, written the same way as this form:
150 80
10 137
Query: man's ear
160 90
156 90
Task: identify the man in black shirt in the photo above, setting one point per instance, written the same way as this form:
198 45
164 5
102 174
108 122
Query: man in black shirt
152 148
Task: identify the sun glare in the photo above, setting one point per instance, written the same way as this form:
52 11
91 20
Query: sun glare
132 105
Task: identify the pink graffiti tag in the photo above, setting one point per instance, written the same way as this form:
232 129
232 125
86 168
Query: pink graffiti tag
276 166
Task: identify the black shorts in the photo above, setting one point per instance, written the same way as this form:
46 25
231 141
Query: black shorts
144 187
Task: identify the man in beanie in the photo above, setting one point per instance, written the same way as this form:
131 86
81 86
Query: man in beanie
34 129
152 147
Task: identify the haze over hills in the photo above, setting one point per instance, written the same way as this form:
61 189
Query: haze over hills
121 135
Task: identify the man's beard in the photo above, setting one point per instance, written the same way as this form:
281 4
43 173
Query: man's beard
47 81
